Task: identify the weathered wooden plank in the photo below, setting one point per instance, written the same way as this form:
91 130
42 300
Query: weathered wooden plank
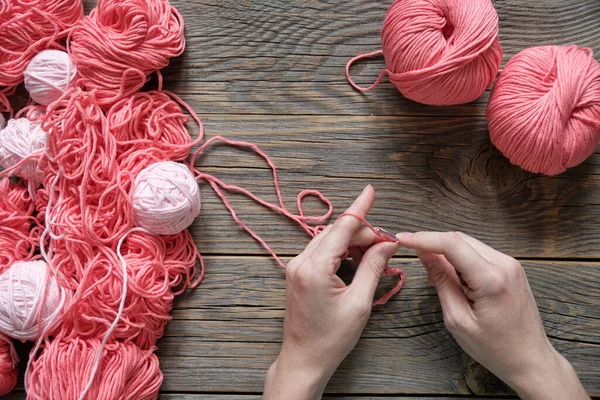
429 175
226 333
260 57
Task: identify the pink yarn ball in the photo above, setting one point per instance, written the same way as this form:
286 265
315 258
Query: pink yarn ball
48 76
22 288
166 198
19 139
544 111
441 52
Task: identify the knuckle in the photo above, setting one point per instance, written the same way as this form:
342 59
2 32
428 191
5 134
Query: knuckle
499 281
376 265
457 322
514 268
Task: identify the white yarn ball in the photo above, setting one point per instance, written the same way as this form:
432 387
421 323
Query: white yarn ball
166 198
22 288
19 139
48 75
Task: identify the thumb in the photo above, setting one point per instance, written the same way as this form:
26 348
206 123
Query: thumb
371 268
443 277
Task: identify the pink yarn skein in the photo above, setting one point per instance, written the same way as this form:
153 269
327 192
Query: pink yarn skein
439 52
8 365
544 111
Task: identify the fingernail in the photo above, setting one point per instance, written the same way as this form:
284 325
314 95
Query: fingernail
387 235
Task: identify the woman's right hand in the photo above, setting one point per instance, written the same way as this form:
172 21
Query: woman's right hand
489 309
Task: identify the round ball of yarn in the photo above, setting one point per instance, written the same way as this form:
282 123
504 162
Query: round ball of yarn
166 198
19 139
8 366
125 372
441 52
49 75
22 290
544 110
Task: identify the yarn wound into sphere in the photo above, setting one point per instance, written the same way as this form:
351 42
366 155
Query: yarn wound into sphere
30 295
544 110
27 28
126 371
21 145
49 75
439 52
8 365
120 43
166 198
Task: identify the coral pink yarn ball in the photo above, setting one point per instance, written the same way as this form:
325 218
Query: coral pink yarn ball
48 76
63 369
8 366
544 111
22 303
166 198
441 52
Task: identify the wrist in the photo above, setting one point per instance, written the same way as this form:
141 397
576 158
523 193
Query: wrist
290 378
552 378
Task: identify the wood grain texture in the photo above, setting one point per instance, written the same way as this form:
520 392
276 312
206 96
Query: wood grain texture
264 57
429 174
226 333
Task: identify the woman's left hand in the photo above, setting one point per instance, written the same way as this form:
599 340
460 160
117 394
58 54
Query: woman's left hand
324 317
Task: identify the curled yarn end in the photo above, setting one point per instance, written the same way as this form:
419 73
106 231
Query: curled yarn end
361 57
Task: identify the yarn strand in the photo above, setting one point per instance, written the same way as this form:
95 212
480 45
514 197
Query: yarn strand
361 57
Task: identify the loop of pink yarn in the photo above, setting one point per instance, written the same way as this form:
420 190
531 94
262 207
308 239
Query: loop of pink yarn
544 110
8 365
63 367
19 229
40 24
440 52
150 120
121 43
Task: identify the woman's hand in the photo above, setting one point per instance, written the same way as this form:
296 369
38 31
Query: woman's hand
489 309
324 317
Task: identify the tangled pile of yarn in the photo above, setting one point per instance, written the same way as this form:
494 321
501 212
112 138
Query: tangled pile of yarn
94 244
40 24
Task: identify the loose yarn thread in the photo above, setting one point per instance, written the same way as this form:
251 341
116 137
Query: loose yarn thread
8 365
544 110
40 25
438 52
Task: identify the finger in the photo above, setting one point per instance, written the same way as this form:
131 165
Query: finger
475 269
318 239
443 277
371 268
490 254
365 237
338 239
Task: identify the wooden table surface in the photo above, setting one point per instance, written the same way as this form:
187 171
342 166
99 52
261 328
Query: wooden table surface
272 72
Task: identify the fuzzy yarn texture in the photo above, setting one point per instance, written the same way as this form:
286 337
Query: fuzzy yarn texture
166 198
49 75
126 372
439 52
30 300
120 43
28 27
544 110
8 366
20 141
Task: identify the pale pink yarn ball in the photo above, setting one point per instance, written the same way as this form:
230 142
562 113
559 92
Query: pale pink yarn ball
19 139
22 288
544 111
166 198
48 76
441 52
